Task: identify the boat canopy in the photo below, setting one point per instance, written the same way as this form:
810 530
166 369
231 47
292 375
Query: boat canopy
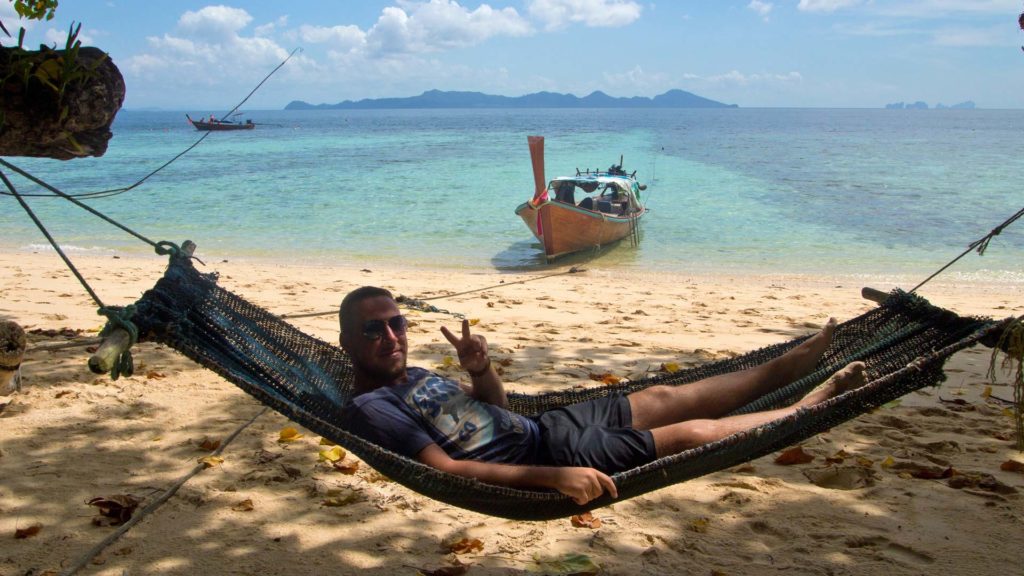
590 183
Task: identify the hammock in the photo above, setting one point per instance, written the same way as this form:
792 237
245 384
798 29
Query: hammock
904 343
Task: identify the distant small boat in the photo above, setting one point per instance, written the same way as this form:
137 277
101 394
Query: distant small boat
215 124
564 226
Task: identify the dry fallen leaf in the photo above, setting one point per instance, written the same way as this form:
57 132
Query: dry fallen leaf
606 378
586 520
670 367
334 454
794 456
346 466
1012 466
211 461
326 442
289 435
465 546
119 508
22 533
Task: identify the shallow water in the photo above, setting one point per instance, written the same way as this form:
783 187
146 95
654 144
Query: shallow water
762 190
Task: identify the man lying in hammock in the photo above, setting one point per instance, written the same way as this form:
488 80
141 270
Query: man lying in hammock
468 431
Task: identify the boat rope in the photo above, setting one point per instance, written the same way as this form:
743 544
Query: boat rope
979 245
115 191
239 105
421 303
117 316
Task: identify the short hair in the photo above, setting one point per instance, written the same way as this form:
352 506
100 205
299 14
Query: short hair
352 299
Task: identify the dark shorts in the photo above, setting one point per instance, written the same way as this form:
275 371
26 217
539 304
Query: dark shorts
596 434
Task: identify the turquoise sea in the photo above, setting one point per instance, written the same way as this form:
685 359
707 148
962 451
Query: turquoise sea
877 192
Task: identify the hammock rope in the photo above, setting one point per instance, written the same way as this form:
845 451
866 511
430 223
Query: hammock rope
904 343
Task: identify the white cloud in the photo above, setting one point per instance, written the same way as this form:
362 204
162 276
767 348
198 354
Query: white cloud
761 7
735 77
594 13
59 38
207 42
825 5
269 28
636 81
439 25
214 22
339 37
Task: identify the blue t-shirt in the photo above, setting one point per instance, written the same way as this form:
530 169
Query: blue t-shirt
428 408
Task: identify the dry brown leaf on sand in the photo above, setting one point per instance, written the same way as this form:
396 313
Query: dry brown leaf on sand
114 510
465 546
586 520
794 455
22 533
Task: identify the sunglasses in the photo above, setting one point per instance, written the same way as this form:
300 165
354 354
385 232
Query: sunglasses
375 329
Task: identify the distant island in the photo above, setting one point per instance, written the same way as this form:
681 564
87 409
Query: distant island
440 99
968 105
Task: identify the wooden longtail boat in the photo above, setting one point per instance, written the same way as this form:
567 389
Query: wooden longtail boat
564 225
214 124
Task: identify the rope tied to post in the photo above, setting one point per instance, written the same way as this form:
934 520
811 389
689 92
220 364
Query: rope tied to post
121 317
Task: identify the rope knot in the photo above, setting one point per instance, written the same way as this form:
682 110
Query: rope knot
121 317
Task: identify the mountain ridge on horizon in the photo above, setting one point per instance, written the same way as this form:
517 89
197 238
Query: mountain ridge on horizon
674 98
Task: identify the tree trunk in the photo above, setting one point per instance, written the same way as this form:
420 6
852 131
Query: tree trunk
52 110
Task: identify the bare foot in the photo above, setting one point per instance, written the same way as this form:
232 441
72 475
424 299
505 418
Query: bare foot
849 377
802 360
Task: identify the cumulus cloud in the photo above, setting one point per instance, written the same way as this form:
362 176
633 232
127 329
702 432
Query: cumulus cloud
209 39
761 7
339 37
594 13
825 5
214 22
440 25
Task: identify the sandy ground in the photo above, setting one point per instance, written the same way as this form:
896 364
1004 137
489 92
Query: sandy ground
70 436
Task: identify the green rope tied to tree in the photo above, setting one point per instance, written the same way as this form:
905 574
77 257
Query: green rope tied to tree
121 317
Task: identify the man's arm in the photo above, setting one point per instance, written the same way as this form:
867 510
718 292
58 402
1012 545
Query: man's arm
580 484
472 351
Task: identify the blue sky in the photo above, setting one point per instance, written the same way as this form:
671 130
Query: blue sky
185 55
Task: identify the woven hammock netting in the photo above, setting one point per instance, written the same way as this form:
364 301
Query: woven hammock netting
904 343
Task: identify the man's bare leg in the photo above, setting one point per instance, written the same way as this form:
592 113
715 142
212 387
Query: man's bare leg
716 396
675 438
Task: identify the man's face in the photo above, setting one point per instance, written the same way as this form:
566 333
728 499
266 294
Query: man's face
381 360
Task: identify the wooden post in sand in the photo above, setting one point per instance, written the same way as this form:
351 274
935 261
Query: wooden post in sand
12 350
874 295
118 341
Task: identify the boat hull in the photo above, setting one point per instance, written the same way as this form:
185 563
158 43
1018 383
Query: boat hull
221 126
565 228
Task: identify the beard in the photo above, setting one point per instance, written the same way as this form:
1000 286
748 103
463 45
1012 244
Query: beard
381 374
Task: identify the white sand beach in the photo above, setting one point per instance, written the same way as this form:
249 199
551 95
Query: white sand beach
270 507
